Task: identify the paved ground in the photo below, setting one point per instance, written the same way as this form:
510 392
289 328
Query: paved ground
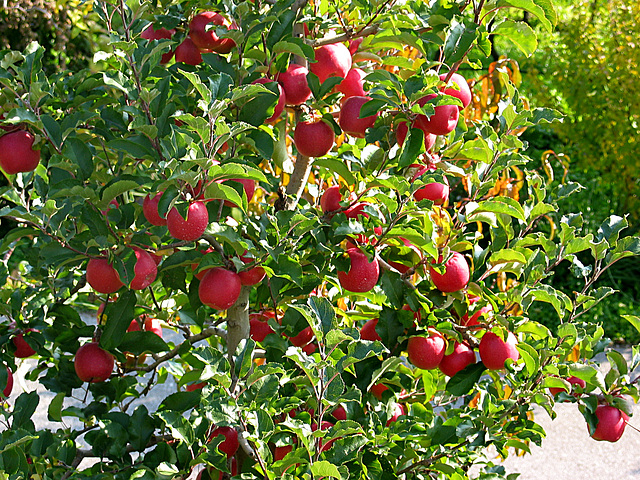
568 453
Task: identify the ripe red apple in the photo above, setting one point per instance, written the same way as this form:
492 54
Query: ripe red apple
349 118
494 351
401 134
195 386
188 52
192 227
92 363
362 275
253 275
572 380
150 210
354 45
102 277
279 108
456 274
426 352
313 139
23 349
332 60
206 38
611 424
295 85
461 357
462 92
330 200
398 411
353 84
310 348
258 327
473 320
442 122
9 386
339 413
150 33
437 192
378 389
17 153
145 270
302 338
230 443
368 331
219 288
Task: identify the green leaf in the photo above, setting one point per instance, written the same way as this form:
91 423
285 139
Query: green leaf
336 166
477 149
53 130
200 87
535 329
506 255
464 381
119 315
520 33
611 228
79 153
23 409
54 412
178 425
180 401
504 205
545 293
459 39
138 146
530 357
412 147
633 320
139 342
542 9
323 469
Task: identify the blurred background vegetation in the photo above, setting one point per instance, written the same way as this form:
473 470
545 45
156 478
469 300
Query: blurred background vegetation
587 68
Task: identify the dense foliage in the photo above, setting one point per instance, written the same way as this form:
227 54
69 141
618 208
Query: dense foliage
331 364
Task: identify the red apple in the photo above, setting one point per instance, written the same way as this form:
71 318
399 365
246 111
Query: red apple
339 413
294 83
330 200
572 380
353 84
302 338
279 108
443 121
473 320
332 60
192 227
426 352
461 357
323 426
195 386
456 274
462 92
401 134
611 424
258 327
230 443
188 52
145 270
437 192
313 139
102 277
23 349
17 153
150 33
310 348
219 288
378 389
92 363
349 119
9 385
494 351
398 411
362 275
354 45
205 37
253 275
368 331
150 210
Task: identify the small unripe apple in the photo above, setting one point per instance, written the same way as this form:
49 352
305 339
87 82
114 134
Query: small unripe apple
295 85
230 443
145 270
23 349
102 277
219 288
349 119
282 99
150 210
332 60
206 38
611 424
494 351
456 274
426 352
353 84
330 200
442 122
463 92
362 275
92 363
192 227
9 385
150 33
437 192
461 357
313 139
368 331
187 52
17 153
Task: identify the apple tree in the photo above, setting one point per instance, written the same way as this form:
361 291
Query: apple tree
310 242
